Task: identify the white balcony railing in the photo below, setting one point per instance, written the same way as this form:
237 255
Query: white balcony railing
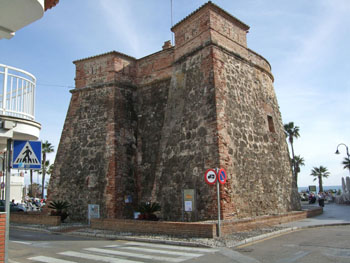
17 93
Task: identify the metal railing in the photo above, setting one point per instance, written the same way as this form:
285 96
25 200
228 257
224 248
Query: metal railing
17 93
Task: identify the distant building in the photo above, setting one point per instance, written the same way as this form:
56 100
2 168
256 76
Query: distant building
147 129
17 191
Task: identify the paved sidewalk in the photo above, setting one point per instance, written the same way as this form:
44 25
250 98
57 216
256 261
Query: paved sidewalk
333 214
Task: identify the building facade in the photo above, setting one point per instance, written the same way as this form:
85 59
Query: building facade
147 129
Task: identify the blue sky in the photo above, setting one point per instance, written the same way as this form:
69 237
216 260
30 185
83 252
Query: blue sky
306 42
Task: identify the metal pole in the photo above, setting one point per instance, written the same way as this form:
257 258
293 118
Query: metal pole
7 194
171 17
347 153
347 150
183 208
218 197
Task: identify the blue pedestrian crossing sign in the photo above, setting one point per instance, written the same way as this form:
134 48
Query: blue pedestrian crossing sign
26 155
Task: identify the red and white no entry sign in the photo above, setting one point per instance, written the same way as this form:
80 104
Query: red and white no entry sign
210 176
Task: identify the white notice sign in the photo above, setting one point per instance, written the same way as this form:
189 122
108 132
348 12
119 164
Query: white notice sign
188 206
93 211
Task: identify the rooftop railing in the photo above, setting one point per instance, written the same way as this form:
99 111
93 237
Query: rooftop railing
17 93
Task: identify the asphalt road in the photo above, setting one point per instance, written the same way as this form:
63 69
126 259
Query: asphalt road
32 246
322 244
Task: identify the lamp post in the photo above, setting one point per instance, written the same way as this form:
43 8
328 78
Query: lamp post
347 151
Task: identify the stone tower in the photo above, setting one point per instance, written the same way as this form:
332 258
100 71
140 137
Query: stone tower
149 128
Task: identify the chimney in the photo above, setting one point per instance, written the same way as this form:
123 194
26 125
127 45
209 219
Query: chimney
167 44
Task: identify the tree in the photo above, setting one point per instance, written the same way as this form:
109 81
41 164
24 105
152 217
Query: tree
46 148
346 163
298 161
31 182
34 190
291 133
47 169
319 173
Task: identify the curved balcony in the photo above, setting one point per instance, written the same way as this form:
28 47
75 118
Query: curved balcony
16 14
17 105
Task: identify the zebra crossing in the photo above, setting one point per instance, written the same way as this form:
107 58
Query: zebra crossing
130 252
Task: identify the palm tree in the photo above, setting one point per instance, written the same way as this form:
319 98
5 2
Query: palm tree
31 181
47 169
346 163
319 173
298 161
46 148
291 133
34 190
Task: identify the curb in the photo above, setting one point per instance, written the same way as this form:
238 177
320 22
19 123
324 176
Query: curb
32 228
271 234
139 239
179 243
283 231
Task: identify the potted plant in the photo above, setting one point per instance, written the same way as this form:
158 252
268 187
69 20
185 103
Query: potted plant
147 211
59 209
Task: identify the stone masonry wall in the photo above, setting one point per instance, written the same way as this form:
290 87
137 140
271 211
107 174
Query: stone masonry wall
96 152
80 174
150 107
188 144
252 147
149 128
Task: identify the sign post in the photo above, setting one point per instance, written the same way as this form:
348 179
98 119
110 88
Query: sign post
219 206
7 198
25 155
217 176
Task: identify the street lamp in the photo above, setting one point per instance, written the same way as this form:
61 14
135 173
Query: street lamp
347 151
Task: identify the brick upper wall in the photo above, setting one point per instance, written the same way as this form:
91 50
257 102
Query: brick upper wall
154 67
104 68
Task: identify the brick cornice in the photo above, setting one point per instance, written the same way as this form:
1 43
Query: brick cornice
236 55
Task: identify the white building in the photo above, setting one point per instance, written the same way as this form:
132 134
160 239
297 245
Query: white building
17 192
17 87
17 120
16 14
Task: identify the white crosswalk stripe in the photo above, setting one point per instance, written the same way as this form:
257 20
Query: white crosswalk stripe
142 256
171 247
50 260
175 253
97 257
130 252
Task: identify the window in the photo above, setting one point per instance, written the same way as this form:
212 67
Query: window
270 123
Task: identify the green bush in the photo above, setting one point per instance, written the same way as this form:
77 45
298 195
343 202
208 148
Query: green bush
59 209
147 211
